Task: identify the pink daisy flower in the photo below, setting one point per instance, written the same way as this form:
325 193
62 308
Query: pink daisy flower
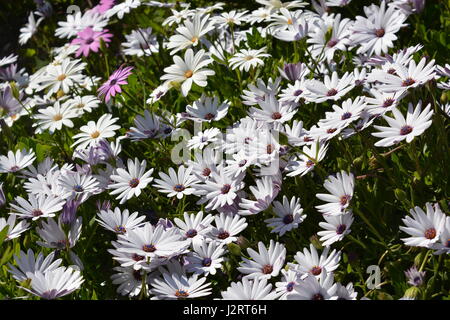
89 40
112 86
104 6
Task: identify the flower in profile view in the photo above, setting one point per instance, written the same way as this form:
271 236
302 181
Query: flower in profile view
341 188
89 40
245 59
119 222
55 283
29 29
415 277
112 85
15 162
28 263
37 207
14 230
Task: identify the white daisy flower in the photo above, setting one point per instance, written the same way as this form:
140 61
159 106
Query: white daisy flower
176 184
264 192
272 111
130 183
62 76
376 33
29 29
382 102
265 263
330 35
28 263
220 190
14 230
297 135
188 71
140 42
424 228
341 188
119 222
246 59
315 288
289 280
230 18
405 77
250 289
207 109
129 281
203 138
206 257
345 293
289 216
258 92
56 283
333 88
4 61
15 162
37 207
310 263
92 133
194 227
151 242
443 245
342 116
79 185
179 286
416 122
227 227
305 161
190 33
336 228
54 236
122 8
82 104
55 117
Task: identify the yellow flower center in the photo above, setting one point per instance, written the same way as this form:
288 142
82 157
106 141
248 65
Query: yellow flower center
95 134
188 74
61 77
57 117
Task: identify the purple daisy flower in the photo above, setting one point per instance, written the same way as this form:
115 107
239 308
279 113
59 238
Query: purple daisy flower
89 40
112 86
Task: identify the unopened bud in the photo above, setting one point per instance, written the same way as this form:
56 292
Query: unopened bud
234 249
412 292
400 194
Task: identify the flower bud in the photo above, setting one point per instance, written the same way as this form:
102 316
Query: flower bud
412 293
234 249
400 194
